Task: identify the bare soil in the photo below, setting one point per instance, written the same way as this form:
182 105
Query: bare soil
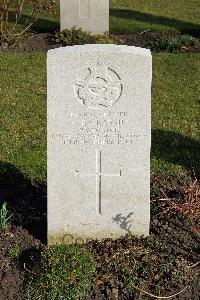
36 42
27 202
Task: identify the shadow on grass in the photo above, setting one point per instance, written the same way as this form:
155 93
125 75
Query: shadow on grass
27 202
42 25
177 149
181 26
45 25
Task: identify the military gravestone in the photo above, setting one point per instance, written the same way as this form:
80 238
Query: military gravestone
90 15
99 123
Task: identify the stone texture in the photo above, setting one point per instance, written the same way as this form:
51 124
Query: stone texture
99 124
90 15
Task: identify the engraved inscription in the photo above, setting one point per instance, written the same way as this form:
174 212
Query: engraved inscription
98 175
84 7
100 89
99 128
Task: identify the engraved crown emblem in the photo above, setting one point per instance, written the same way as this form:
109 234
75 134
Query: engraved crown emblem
100 89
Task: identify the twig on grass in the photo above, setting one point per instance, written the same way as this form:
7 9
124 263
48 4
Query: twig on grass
117 253
28 270
144 31
194 265
161 297
160 199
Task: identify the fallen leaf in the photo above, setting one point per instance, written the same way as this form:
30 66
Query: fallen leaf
115 293
99 282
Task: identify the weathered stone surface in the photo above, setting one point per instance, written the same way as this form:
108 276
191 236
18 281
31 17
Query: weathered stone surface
90 15
99 124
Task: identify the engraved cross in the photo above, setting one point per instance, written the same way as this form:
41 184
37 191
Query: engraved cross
98 174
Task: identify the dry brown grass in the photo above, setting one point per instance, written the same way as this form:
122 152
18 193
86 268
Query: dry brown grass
188 204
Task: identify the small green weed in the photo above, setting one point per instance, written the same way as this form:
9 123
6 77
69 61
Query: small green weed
4 216
13 252
64 272
77 36
174 44
104 39
69 37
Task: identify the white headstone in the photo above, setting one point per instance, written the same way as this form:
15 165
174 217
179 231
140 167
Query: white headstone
90 15
99 124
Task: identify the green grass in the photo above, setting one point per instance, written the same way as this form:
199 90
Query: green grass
23 113
127 16
64 272
13 252
175 115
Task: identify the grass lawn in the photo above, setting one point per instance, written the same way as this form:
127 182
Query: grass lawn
175 116
127 16
23 113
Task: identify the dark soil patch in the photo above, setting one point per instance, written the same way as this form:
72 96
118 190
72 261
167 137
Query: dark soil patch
13 275
36 42
172 234
33 43
172 231
27 202
145 40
